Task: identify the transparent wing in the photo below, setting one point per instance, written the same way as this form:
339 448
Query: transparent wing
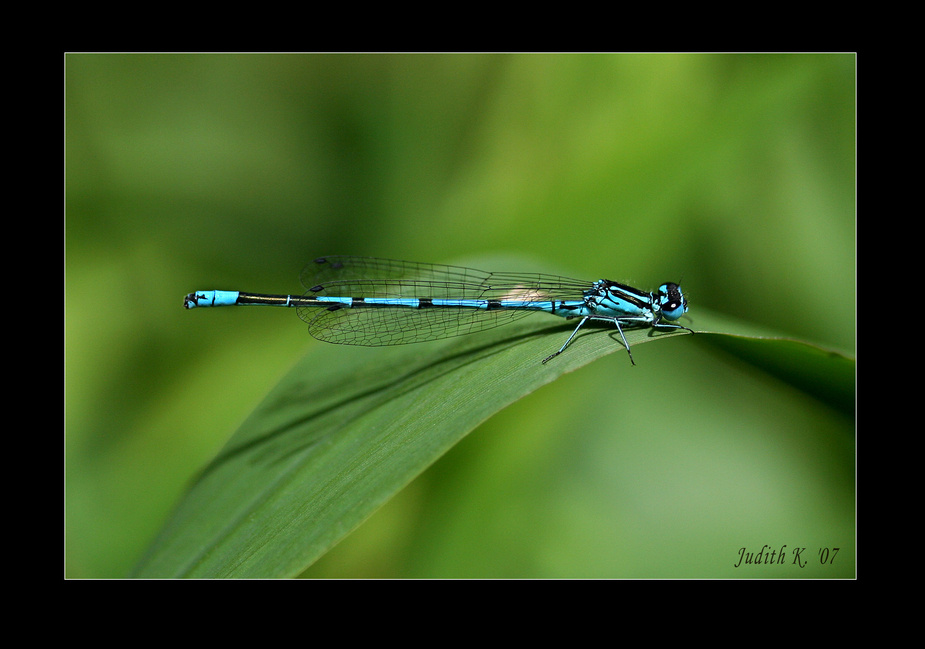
370 277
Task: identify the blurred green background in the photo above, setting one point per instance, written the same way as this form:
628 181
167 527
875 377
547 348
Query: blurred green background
732 173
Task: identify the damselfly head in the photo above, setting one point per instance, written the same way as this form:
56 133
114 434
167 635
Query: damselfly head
672 301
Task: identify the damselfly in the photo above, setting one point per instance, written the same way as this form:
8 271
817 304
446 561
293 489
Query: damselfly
377 302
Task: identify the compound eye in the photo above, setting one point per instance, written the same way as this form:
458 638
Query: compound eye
672 301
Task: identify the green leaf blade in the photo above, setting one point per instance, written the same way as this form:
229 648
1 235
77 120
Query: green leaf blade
348 428
343 432
824 373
